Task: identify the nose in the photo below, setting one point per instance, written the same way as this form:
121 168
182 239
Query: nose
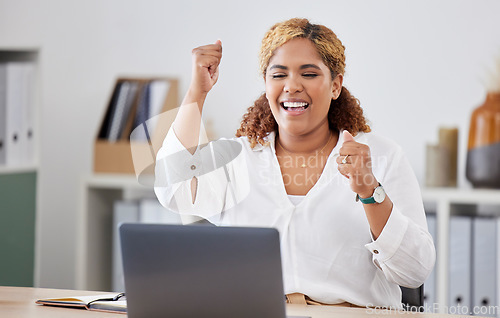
292 85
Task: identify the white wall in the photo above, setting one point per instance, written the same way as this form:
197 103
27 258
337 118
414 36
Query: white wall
415 65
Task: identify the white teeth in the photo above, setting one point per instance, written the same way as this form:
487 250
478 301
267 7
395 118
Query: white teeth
295 104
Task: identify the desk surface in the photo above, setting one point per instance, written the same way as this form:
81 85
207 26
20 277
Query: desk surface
19 302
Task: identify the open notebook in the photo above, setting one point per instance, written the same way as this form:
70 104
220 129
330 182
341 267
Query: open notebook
105 302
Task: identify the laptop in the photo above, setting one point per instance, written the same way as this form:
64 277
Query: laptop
202 271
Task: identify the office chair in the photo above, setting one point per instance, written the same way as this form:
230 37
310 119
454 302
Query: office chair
413 298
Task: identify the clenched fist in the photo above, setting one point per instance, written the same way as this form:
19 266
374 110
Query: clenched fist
205 72
354 162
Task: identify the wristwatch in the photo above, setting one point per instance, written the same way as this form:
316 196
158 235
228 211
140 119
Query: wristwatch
378 196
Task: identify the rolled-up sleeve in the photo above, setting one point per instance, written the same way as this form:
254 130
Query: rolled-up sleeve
405 250
212 164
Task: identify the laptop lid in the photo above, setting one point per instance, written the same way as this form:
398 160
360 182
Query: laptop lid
202 271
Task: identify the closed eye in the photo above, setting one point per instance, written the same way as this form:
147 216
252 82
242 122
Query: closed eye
310 75
277 76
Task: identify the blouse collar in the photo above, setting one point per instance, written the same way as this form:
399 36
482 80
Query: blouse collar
270 138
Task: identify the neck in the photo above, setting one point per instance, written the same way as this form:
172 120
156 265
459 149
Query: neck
309 143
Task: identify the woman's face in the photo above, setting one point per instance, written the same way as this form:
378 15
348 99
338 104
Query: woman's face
299 88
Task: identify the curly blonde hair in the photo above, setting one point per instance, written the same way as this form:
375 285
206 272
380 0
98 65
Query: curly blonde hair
345 111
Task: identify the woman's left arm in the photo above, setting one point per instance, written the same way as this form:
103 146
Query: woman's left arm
402 246
355 164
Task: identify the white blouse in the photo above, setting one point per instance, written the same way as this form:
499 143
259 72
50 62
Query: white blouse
328 252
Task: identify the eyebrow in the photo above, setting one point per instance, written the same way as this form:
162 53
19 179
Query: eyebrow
282 67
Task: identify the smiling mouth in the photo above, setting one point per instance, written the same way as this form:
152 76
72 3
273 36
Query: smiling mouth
294 106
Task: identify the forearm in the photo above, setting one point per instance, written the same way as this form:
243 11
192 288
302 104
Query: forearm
188 120
377 215
404 251
205 73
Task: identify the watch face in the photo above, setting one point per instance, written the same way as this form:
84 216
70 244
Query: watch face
379 194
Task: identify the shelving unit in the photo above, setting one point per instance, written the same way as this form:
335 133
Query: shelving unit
22 72
18 169
449 201
94 251
100 191
18 194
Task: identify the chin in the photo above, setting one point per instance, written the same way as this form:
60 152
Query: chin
294 130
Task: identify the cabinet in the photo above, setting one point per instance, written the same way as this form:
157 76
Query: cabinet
449 201
18 109
99 192
94 241
18 178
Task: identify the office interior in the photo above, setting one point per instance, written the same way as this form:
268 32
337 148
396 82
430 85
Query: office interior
415 66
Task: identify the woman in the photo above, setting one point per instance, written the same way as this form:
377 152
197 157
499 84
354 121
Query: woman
298 168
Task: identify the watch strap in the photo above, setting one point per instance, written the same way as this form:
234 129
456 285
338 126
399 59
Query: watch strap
369 200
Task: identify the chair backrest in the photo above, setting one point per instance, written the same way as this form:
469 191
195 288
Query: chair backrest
413 298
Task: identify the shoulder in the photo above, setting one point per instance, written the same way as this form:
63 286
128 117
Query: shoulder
269 146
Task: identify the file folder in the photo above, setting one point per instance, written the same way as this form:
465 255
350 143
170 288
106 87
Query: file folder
115 156
484 266
460 259
142 115
3 113
159 91
149 107
17 113
13 113
121 110
28 133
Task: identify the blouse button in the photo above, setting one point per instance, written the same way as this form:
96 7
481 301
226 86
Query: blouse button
375 251
193 167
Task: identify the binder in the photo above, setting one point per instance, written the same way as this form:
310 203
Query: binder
142 114
3 113
121 110
28 133
13 113
484 266
460 259
17 113
430 283
158 94
116 156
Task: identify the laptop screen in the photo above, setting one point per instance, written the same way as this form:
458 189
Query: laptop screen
201 271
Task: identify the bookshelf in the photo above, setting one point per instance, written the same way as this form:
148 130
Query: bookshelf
18 169
18 173
121 151
99 192
94 241
447 202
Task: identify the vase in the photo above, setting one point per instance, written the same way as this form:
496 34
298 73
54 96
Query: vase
483 149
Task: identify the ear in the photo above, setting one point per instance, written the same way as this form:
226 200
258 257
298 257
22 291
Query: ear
337 86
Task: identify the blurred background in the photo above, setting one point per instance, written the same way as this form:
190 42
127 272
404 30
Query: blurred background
415 66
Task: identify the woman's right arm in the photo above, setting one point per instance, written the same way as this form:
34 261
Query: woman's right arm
186 128
205 72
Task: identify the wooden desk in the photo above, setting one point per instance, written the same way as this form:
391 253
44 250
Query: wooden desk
19 302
